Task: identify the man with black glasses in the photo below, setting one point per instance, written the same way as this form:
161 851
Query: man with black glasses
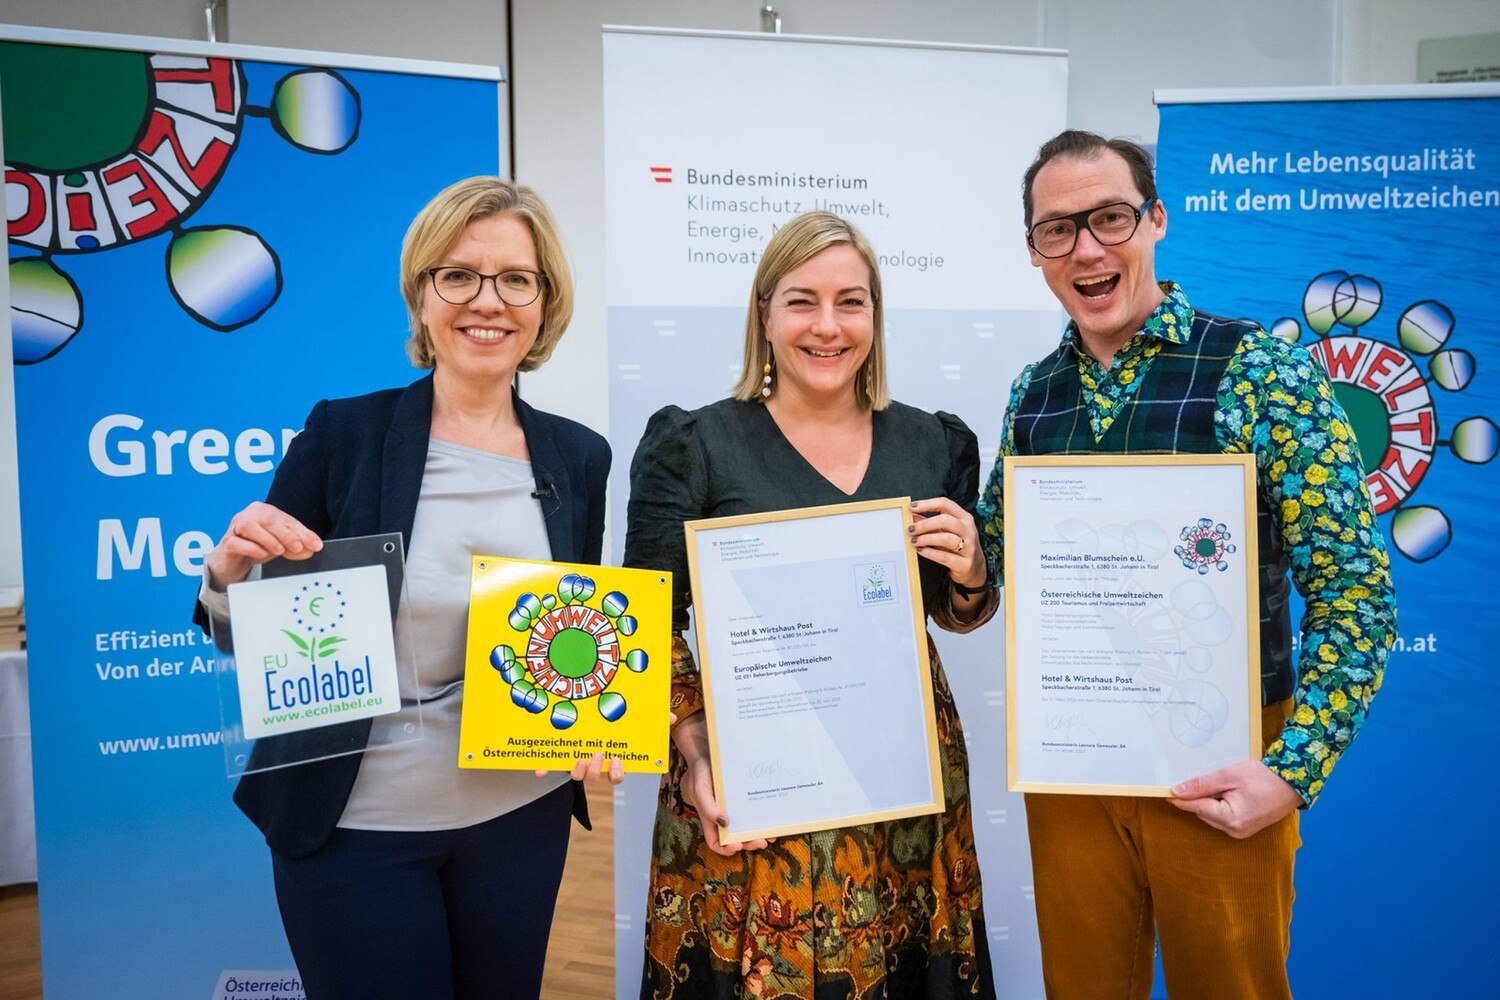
1208 872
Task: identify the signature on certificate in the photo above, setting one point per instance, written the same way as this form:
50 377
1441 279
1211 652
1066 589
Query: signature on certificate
771 768
1070 724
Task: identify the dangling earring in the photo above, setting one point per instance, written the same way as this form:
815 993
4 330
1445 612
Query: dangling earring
765 380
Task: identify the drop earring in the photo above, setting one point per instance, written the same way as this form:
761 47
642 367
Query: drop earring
765 380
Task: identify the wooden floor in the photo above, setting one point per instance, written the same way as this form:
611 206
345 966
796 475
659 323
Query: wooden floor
20 952
581 954
580 958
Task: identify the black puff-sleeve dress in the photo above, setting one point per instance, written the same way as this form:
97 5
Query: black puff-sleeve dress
887 910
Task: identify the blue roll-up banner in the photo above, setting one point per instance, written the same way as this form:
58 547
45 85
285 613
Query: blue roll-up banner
1361 223
202 245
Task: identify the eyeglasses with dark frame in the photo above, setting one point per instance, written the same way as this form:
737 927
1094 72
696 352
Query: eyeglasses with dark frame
459 286
1110 226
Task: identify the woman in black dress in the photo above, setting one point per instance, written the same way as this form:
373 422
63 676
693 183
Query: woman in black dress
889 909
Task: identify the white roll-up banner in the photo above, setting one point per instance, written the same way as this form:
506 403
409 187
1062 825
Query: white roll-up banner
712 140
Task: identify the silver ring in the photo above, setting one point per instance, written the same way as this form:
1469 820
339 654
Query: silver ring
960 544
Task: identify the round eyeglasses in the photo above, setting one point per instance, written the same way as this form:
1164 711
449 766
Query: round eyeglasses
460 285
1110 225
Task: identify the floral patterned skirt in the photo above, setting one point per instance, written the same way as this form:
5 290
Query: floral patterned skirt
887 910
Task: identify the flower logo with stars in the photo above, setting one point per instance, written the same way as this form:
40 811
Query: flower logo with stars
318 609
573 651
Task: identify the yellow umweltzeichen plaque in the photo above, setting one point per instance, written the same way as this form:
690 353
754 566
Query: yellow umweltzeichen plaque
566 661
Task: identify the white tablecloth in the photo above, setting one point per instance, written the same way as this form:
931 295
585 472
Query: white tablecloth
17 814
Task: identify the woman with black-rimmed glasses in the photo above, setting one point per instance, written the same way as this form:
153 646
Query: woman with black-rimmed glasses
398 874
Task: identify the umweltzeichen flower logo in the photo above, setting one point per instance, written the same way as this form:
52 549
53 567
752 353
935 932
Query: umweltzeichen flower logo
130 146
572 654
1205 545
1389 400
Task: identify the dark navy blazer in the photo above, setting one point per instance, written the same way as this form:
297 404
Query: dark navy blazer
356 469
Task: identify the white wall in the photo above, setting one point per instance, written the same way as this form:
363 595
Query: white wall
463 31
1144 45
158 18
1381 36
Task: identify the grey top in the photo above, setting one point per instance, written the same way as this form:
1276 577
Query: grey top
472 503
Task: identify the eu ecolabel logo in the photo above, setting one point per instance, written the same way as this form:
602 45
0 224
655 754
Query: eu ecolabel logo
572 651
312 673
1205 545
873 583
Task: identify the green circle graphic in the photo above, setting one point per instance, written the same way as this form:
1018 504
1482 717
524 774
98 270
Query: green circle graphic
83 106
1368 419
1206 547
573 653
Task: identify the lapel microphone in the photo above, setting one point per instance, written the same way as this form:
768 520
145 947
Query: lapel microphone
545 490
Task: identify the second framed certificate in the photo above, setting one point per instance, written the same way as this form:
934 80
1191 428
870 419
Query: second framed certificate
813 653
1132 629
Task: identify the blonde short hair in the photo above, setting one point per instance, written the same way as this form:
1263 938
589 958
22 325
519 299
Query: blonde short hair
794 244
441 222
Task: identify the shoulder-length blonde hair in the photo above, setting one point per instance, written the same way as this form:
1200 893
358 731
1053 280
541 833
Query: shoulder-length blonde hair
794 244
436 229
